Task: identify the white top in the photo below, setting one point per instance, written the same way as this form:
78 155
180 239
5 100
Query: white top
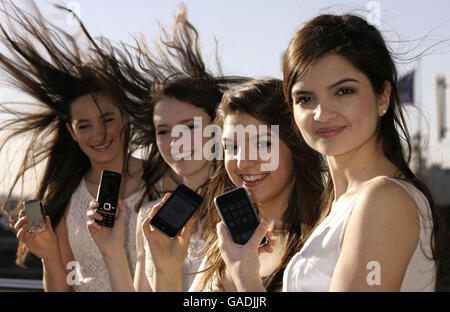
93 274
312 268
191 262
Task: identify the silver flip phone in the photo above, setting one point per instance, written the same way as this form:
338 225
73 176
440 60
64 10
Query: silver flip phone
34 210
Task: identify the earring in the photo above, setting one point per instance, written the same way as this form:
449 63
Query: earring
383 112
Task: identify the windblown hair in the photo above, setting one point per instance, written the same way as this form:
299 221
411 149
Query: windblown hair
263 100
48 65
361 44
177 71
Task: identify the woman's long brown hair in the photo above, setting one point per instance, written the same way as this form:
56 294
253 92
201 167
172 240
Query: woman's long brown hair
176 70
263 99
362 45
48 65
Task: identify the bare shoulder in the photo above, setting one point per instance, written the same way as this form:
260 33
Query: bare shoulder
385 206
384 227
382 196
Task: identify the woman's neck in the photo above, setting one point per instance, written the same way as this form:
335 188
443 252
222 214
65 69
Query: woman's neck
95 171
195 180
351 170
274 208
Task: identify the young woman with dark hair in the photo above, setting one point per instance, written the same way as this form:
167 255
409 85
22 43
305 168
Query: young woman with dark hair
77 127
287 195
182 90
379 229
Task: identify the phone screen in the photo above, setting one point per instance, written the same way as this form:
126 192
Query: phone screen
174 214
34 210
238 214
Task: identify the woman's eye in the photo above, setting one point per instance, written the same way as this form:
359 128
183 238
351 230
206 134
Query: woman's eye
264 144
230 147
162 132
83 127
303 99
108 120
345 91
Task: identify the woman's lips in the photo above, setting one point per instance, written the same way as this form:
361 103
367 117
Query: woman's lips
103 147
180 157
251 180
329 132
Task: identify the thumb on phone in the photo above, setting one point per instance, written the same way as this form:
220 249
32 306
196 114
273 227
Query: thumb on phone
122 212
48 223
158 206
258 235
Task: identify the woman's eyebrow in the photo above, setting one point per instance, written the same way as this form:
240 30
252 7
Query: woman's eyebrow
300 91
342 81
77 121
106 114
184 121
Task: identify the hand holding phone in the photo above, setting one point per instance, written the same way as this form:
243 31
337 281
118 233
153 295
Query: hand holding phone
34 229
108 197
107 239
167 254
176 211
238 215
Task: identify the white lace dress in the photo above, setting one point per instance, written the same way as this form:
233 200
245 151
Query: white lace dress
92 270
192 261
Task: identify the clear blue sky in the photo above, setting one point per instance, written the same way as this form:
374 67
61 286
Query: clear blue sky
253 34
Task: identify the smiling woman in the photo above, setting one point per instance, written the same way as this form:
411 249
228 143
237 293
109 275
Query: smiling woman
341 79
96 126
287 195
78 127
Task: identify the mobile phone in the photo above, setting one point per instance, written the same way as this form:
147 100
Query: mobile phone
108 197
34 210
238 214
176 211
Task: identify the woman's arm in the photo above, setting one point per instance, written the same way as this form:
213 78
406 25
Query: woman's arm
49 247
111 244
141 282
56 278
242 261
167 255
379 241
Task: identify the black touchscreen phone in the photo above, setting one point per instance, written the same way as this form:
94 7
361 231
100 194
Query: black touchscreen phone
238 214
176 211
108 197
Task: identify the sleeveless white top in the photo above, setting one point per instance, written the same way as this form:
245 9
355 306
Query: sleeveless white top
312 268
193 258
93 274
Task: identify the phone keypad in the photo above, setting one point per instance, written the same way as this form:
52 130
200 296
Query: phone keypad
238 216
108 219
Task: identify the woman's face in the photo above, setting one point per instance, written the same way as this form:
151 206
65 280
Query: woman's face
96 125
183 153
264 186
335 107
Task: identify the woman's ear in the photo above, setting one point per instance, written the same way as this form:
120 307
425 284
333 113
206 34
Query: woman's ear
384 98
69 128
